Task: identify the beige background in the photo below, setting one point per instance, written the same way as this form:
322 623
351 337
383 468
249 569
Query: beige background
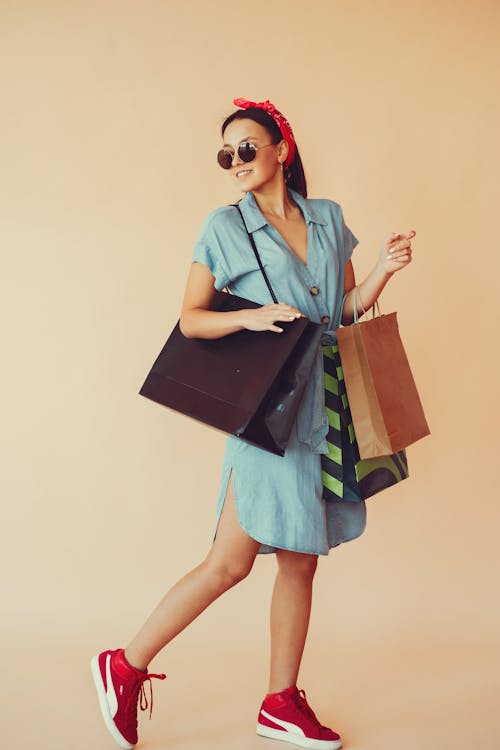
110 123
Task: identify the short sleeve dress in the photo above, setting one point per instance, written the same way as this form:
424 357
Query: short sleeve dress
279 499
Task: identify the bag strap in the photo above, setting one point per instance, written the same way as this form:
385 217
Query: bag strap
356 306
250 236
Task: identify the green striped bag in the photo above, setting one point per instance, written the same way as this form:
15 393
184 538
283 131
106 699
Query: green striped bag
345 475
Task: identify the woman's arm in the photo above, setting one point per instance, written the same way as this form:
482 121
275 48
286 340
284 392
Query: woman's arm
395 254
368 291
198 321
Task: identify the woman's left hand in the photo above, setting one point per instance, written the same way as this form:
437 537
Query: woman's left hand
395 253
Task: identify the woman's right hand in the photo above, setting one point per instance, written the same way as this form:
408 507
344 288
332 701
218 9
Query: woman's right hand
198 320
264 318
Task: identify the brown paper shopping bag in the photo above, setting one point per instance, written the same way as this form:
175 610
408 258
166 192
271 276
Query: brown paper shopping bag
386 410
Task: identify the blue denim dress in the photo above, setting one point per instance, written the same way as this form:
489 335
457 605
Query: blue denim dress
279 500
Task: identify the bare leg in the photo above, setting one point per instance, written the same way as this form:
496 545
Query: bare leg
229 560
290 613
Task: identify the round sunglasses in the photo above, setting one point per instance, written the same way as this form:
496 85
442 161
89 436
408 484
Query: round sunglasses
246 151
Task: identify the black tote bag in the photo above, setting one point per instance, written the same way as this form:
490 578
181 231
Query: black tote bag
248 384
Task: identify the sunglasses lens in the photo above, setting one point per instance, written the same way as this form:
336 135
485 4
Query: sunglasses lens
225 158
246 151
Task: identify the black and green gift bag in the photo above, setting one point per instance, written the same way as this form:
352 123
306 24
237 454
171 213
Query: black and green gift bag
345 475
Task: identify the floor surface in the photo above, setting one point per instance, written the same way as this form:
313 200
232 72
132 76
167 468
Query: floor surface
389 696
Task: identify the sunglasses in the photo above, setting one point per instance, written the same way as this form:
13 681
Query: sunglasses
246 151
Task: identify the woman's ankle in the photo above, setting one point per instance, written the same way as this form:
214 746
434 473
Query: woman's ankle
272 689
133 662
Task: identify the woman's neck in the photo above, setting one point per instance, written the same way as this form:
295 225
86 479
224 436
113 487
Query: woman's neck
274 200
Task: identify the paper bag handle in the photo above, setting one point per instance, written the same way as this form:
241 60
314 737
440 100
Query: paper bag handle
364 311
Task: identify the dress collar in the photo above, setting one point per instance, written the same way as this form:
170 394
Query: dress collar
255 219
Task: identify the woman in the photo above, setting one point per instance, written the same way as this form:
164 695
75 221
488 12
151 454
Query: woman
267 503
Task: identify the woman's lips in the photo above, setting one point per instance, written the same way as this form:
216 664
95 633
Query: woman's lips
243 172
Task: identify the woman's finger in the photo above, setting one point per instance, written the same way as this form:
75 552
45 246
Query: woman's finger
281 316
289 313
283 305
396 237
400 246
399 258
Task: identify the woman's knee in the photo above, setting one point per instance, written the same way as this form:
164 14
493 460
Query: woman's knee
296 563
228 572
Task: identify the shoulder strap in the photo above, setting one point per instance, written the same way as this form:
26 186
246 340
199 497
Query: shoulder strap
256 254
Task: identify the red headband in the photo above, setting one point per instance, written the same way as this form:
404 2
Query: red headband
280 120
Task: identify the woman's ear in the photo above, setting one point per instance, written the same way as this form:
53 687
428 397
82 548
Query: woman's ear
282 151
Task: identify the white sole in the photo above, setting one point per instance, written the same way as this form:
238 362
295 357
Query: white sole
103 704
278 734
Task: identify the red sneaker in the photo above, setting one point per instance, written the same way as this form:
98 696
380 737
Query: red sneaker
118 686
287 716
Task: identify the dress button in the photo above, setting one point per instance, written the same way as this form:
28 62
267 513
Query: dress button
314 290
325 319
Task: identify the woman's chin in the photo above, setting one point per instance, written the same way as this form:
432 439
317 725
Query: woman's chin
245 184
246 188
252 182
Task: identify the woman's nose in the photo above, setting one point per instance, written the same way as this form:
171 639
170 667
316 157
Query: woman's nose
237 159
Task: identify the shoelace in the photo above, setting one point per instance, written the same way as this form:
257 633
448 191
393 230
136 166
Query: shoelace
139 692
304 706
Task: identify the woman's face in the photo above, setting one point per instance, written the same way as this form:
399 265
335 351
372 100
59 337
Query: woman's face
265 169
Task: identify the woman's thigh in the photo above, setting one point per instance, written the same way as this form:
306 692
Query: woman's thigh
232 549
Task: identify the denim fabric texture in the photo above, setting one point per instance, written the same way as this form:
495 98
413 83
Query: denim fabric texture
279 499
